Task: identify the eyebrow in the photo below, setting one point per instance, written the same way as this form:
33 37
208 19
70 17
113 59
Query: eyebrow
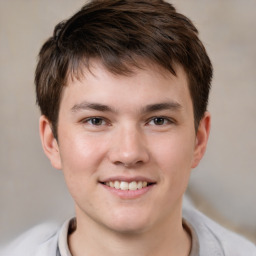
147 109
91 106
162 106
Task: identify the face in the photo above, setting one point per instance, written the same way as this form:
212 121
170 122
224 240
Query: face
126 145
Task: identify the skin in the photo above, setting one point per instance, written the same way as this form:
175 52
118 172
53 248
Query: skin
144 130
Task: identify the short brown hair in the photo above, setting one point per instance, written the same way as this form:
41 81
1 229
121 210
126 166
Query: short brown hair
119 33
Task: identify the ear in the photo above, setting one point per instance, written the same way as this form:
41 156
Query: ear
49 143
202 136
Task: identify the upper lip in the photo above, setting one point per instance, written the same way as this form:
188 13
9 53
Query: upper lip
127 179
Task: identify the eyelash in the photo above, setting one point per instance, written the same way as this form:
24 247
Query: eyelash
90 121
164 119
102 121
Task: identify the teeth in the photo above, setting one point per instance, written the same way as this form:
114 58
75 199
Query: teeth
117 184
123 185
133 185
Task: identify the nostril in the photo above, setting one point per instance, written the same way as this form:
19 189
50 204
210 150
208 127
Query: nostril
130 164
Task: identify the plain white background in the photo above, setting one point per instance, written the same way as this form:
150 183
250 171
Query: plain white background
223 186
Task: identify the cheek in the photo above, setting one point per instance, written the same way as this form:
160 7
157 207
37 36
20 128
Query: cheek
174 156
81 157
79 152
175 152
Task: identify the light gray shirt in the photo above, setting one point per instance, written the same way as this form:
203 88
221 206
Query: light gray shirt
208 239
66 229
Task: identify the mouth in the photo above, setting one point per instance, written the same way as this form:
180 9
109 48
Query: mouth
124 185
128 188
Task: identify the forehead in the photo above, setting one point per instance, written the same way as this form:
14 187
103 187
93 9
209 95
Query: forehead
148 83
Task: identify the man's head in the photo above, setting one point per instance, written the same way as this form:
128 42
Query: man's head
122 35
123 84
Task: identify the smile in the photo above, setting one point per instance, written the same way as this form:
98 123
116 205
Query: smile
123 185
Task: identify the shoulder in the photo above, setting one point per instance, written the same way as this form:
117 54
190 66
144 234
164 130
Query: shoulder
40 240
213 237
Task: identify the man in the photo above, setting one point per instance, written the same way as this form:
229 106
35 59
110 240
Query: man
123 89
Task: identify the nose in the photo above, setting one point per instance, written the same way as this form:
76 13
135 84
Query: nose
128 147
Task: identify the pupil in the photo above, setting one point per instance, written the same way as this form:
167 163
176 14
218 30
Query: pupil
159 121
96 121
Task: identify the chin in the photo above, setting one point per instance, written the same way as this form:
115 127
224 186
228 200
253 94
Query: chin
130 223
129 229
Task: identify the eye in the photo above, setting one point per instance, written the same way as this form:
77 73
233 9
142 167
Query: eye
160 121
96 121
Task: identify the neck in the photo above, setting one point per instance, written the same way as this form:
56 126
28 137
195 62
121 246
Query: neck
167 238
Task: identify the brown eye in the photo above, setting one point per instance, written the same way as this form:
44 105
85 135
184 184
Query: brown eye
159 121
96 121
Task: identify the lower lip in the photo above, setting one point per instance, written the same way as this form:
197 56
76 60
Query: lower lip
128 194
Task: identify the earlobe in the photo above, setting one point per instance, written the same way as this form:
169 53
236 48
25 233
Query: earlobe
202 136
49 143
